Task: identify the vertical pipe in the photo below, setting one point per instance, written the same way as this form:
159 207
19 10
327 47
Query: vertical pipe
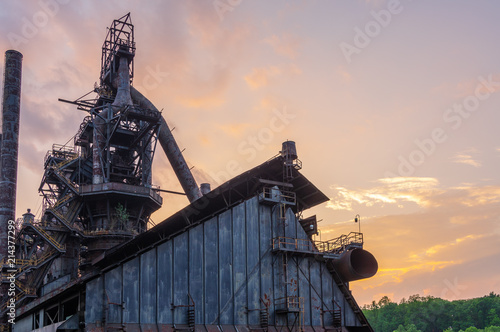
9 148
98 147
122 98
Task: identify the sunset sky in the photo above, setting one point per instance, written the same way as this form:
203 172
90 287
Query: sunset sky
394 106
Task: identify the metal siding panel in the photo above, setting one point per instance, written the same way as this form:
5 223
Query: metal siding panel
266 259
211 271
349 316
253 267
164 282
131 291
292 279
225 269
196 270
113 287
315 293
301 234
339 298
23 324
277 225
278 261
327 283
181 277
304 288
148 287
239 265
292 282
291 224
94 300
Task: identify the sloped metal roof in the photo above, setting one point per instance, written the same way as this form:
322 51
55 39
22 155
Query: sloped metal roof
232 192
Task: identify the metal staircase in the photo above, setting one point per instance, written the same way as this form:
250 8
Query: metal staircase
47 237
68 220
60 175
22 293
24 265
62 203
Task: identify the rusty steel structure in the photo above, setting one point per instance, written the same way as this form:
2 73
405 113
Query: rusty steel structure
240 257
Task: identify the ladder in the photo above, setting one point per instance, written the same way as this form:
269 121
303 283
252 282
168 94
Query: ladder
291 305
264 316
191 317
336 314
191 313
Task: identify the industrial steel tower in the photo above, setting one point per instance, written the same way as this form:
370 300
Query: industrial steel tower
97 192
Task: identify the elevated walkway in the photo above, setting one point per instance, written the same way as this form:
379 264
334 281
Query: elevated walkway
331 249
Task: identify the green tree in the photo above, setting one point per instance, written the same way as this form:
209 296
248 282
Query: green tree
472 329
430 314
492 329
407 328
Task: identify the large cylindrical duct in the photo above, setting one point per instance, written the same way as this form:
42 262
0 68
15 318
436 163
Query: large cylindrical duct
9 146
122 98
171 149
356 264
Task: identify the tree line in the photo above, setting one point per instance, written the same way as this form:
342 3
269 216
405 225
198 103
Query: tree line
432 314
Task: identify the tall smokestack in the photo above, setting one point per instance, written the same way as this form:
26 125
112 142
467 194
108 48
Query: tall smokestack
9 147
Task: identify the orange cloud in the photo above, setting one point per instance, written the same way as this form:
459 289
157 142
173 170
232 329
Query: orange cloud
390 191
453 230
234 129
286 45
465 88
260 77
466 157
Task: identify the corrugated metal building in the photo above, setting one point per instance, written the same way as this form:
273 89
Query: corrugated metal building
214 265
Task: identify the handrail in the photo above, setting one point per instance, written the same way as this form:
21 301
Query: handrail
334 246
49 238
57 171
66 198
289 302
27 290
285 196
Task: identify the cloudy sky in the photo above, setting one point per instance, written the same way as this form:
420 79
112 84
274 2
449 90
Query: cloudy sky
394 106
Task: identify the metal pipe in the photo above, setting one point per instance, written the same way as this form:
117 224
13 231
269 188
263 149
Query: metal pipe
169 145
98 144
356 264
122 98
205 188
9 147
